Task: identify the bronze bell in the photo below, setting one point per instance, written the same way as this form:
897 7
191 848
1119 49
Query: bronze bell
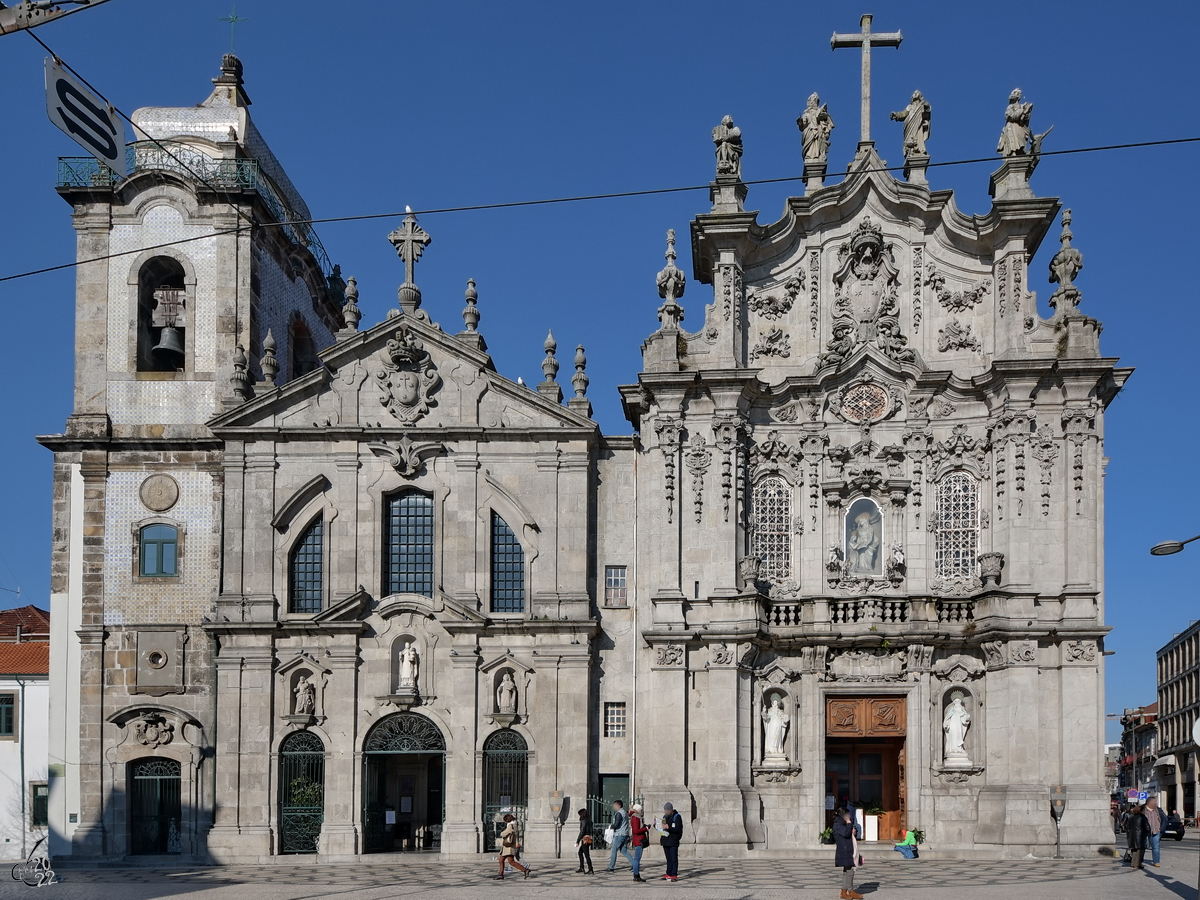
169 347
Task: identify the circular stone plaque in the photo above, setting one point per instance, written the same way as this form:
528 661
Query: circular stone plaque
159 492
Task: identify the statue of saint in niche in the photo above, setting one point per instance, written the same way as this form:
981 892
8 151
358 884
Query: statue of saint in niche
506 695
409 666
954 725
775 722
306 697
864 538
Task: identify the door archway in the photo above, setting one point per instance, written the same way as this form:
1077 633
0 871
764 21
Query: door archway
403 784
301 792
505 782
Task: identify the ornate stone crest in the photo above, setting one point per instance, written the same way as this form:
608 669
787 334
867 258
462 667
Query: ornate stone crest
409 377
153 730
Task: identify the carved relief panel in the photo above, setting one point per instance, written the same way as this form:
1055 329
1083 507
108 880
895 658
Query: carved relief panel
865 717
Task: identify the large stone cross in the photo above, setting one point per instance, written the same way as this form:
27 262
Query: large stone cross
410 240
865 41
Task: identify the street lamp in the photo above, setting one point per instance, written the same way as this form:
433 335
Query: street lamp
1166 548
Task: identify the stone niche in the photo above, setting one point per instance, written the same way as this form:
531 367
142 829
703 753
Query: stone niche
159 668
301 696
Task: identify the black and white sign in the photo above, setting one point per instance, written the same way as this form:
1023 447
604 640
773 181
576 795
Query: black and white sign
90 122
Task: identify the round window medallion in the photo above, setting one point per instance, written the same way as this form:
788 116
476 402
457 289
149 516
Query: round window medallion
156 659
865 403
159 492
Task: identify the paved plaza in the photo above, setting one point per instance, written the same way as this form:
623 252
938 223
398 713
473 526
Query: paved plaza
886 875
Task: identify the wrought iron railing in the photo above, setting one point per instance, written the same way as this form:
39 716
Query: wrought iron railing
219 172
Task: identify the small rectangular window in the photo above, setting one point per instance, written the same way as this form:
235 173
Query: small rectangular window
615 589
614 720
8 715
159 551
39 806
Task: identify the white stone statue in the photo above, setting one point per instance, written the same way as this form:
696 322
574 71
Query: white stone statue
954 725
506 695
775 720
815 125
306 697
864 544
410 665
916 118
1016 136
728 138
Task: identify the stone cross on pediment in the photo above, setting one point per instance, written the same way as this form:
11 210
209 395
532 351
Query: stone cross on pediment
410 241
865 40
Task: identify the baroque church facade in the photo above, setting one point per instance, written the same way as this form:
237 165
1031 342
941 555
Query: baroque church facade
323 588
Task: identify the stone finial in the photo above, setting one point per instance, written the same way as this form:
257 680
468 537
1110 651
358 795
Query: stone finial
240 379
1064 268
471 313
728 138
580 380
671 284
270 365
410 241
549 387
350 312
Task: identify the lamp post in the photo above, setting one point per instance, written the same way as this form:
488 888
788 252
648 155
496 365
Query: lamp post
1166 548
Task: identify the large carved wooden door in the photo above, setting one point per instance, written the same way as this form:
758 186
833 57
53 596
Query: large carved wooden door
865 758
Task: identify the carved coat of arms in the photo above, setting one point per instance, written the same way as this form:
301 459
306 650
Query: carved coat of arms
409 378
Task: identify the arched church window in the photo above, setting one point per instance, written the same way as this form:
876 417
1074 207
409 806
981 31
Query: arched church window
408 544
771 508
161 317
303 349
306 570
956 525
508 569
158 551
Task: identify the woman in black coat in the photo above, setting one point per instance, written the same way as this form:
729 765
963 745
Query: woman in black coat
847 852
583 843
1137 834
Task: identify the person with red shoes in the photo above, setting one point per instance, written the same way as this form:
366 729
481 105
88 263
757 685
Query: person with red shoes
672 834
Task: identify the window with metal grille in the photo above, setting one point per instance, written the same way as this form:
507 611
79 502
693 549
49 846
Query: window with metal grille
615 591
159 551
408 544
614 720
306 570
508 569
956 525
771 508
39 806
8 715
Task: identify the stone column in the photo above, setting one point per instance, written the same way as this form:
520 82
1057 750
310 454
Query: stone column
664 763
720 818
258 501
460 832
339 836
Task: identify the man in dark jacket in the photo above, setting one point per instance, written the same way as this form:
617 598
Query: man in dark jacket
1137 834
672 829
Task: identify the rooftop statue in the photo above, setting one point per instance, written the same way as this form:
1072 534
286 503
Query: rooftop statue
916 117
815 125
1016 136
728 138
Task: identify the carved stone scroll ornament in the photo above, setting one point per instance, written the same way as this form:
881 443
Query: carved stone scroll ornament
956 336
955 586
775 303
958 668
773 342
153 730
1080 651
1022 651
408 378
408 456
669 655
723 654
697 457
867 665
994 653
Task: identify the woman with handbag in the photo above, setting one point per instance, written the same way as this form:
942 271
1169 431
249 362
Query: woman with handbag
640 835
846 854
583 843
510 846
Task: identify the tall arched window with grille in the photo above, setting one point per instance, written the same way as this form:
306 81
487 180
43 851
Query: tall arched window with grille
306 570
771 511
508 569
956 525
408 544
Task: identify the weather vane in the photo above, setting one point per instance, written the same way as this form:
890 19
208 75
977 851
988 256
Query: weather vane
233 18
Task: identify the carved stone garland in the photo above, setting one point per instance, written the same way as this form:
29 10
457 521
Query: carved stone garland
955 301
1045 451
1078 425
697 457
1002 286
667 429
726 432
771 305
918 256
814 290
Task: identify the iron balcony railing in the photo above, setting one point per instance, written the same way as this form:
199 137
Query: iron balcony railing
219 172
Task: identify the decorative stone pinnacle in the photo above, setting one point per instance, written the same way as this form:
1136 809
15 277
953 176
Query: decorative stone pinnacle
410 241
1064 269
350 312
579 380
471 313
240 379
270 365
550 364
671 284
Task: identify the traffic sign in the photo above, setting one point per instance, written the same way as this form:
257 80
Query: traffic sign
1142 795
1131 794
90 122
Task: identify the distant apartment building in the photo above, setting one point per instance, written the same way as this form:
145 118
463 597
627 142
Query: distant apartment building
1178 704
24 728
1139 749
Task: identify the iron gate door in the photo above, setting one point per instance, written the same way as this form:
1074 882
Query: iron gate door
155 811
505 783
398 734
301 792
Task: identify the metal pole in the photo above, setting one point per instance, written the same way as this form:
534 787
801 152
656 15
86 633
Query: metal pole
1057 839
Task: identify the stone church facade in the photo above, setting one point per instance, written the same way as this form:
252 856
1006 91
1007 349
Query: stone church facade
338 590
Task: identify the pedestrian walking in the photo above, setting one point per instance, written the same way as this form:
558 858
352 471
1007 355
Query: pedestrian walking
1157 821
510 846
672 834
583 844
619 826
639 836
846 852
1137 835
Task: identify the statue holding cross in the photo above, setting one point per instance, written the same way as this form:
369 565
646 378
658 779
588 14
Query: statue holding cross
865 40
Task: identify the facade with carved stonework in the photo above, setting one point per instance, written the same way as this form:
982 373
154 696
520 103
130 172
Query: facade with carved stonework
323 589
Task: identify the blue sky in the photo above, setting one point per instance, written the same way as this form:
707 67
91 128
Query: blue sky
374 105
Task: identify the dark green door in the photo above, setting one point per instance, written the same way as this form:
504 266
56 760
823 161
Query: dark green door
301 792
155 811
